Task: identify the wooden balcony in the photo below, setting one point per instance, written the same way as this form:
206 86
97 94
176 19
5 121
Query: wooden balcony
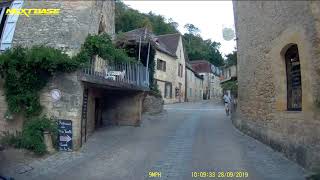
121 76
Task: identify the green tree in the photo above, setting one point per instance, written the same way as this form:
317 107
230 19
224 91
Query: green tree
127 19
198 48
192 29
231 59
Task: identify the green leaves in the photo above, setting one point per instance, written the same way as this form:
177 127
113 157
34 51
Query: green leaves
231 59
102 46
230 85
26 71
200 49
127 19
32 133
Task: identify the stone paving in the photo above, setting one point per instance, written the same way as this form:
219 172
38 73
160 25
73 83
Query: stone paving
187 137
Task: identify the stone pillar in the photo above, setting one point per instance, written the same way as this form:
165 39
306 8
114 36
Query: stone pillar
129 110
69 107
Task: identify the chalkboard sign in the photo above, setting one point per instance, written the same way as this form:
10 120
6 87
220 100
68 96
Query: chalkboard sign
65 135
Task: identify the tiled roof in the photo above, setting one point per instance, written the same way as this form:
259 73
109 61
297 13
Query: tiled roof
201 66
189 66
163 43
171 41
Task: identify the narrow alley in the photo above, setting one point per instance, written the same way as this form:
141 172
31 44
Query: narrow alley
185 138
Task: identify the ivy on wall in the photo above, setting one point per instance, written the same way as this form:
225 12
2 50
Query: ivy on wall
26 71
230 85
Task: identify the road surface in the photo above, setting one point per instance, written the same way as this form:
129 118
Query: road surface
186 138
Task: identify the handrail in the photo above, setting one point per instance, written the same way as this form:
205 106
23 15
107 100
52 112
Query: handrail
130 73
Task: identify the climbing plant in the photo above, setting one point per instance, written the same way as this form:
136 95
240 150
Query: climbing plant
102 46
26 71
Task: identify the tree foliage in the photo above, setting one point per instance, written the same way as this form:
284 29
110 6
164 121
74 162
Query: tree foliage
200 49
197 48
27 70
231 59
230 85
128 19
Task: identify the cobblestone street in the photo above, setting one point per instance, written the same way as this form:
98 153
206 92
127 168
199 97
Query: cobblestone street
186 138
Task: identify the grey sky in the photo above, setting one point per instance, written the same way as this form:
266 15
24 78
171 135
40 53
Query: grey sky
209 16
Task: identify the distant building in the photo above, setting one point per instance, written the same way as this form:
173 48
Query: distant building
169 60
170 68
229 73
211 78
194 85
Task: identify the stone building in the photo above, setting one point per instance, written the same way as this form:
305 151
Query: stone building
211 78
88 99
278 76
169 58
194 85
229 73
170 71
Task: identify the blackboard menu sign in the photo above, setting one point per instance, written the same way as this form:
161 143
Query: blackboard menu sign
65 135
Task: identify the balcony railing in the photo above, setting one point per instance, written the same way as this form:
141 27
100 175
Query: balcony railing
132 75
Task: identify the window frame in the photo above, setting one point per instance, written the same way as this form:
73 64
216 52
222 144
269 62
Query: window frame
161 65
289 78
165 90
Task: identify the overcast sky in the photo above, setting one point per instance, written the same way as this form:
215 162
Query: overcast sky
209 16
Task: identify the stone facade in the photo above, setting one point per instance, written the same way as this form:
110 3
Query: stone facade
265 30
211 78
229 73
171 74
216 89
69 107
152 104
66 31
194 86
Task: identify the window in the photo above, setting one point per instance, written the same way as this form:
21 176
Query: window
229 72
294 90
8 23
190 91
168 90
161 65
180 70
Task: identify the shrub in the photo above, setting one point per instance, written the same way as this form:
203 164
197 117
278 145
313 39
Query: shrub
32 133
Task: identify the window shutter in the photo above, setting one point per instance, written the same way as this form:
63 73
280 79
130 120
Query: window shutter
9 27
158 64
165 66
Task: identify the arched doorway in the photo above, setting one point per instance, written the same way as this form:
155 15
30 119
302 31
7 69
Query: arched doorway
293 71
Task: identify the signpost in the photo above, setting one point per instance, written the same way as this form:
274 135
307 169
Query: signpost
65 135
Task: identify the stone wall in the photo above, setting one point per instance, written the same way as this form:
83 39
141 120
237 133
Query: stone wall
171 74
122 108
194 87
68 30
69 107
152 104
264 30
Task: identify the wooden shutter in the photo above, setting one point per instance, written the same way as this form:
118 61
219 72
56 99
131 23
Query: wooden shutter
158 64
9 27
